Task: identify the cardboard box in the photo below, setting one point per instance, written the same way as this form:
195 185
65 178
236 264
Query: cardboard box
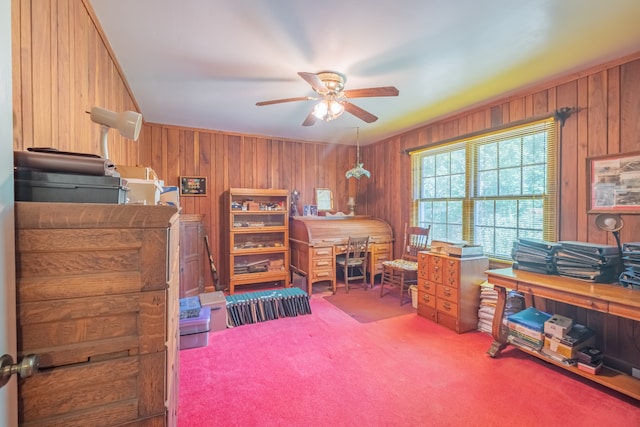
142 191
217 302
558 326
570 352
137 172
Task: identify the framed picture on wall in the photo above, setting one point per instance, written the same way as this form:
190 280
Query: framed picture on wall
324 200
193 186
614 183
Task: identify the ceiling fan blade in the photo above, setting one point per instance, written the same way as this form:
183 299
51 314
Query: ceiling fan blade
359 112
372 91
314 81
310 120
278 101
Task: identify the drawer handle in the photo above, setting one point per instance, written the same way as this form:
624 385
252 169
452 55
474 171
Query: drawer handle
436 267
322 252
427 298
447 292
322 274
447 306
322 263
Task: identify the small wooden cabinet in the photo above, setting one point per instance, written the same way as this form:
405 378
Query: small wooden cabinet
192 255
97 292
258 236
449 291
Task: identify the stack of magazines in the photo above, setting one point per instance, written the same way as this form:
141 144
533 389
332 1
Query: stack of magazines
630 276
535 255
588 261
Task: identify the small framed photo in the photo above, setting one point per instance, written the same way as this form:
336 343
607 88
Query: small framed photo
324 200
193 186
614 183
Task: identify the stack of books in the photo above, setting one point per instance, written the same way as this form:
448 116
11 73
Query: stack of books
590 360
592 262
564 347
526 328
535 255
630 276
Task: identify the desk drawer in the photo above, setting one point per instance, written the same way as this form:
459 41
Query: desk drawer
322 263
380 248
568 298
322 252
322 274
447 292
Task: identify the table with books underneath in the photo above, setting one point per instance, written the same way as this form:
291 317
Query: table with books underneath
563 344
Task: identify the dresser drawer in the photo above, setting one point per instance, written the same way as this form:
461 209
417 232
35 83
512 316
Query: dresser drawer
445 306
447 292
448 321
426 299
450 278
435 269
427 312
426 286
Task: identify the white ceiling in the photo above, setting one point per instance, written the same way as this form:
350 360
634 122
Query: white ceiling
205 63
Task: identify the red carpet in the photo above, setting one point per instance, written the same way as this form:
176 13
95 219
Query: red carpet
328 369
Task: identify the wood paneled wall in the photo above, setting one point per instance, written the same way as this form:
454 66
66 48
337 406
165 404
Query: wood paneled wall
607 122
62 67
231 160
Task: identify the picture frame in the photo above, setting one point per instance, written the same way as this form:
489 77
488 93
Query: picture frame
324 200
614 183
193 186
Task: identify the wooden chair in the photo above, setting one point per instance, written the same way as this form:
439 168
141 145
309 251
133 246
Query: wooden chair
353 263
404 271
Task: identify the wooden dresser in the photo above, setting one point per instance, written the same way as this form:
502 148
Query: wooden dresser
315 241
97 293
449 291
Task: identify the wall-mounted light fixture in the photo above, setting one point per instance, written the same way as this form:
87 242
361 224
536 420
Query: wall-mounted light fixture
128 124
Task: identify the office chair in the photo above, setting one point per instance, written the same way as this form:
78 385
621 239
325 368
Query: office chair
404 271
353 263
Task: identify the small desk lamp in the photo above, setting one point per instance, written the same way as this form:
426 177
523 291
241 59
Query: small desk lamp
612 223
127 123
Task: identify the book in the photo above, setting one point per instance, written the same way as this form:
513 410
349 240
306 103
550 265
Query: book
530 317
589 248
592 368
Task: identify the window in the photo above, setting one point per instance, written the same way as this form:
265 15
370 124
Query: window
489 189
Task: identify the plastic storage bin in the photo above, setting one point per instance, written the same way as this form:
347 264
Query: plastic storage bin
194 332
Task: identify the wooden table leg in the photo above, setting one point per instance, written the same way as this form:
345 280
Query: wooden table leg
499 337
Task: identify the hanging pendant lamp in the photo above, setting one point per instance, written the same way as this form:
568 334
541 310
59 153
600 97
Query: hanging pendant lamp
357 171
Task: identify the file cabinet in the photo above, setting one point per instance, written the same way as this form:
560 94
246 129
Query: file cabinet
449 291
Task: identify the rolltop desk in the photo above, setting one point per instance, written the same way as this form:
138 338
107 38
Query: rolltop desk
314 242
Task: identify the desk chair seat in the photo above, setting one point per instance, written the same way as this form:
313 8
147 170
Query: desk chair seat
403 271
353 263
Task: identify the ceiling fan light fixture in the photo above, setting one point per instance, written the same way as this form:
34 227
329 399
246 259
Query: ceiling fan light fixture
328 109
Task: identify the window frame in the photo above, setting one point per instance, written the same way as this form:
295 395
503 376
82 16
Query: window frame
547 199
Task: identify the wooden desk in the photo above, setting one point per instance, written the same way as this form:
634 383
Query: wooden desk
606 298
314 243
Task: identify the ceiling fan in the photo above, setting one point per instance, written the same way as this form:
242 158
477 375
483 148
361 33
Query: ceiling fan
333 99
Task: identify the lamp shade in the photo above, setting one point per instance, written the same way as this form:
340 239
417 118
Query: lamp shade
128 123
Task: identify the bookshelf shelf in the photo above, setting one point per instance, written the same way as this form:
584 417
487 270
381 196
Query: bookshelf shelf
607 377
611 299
